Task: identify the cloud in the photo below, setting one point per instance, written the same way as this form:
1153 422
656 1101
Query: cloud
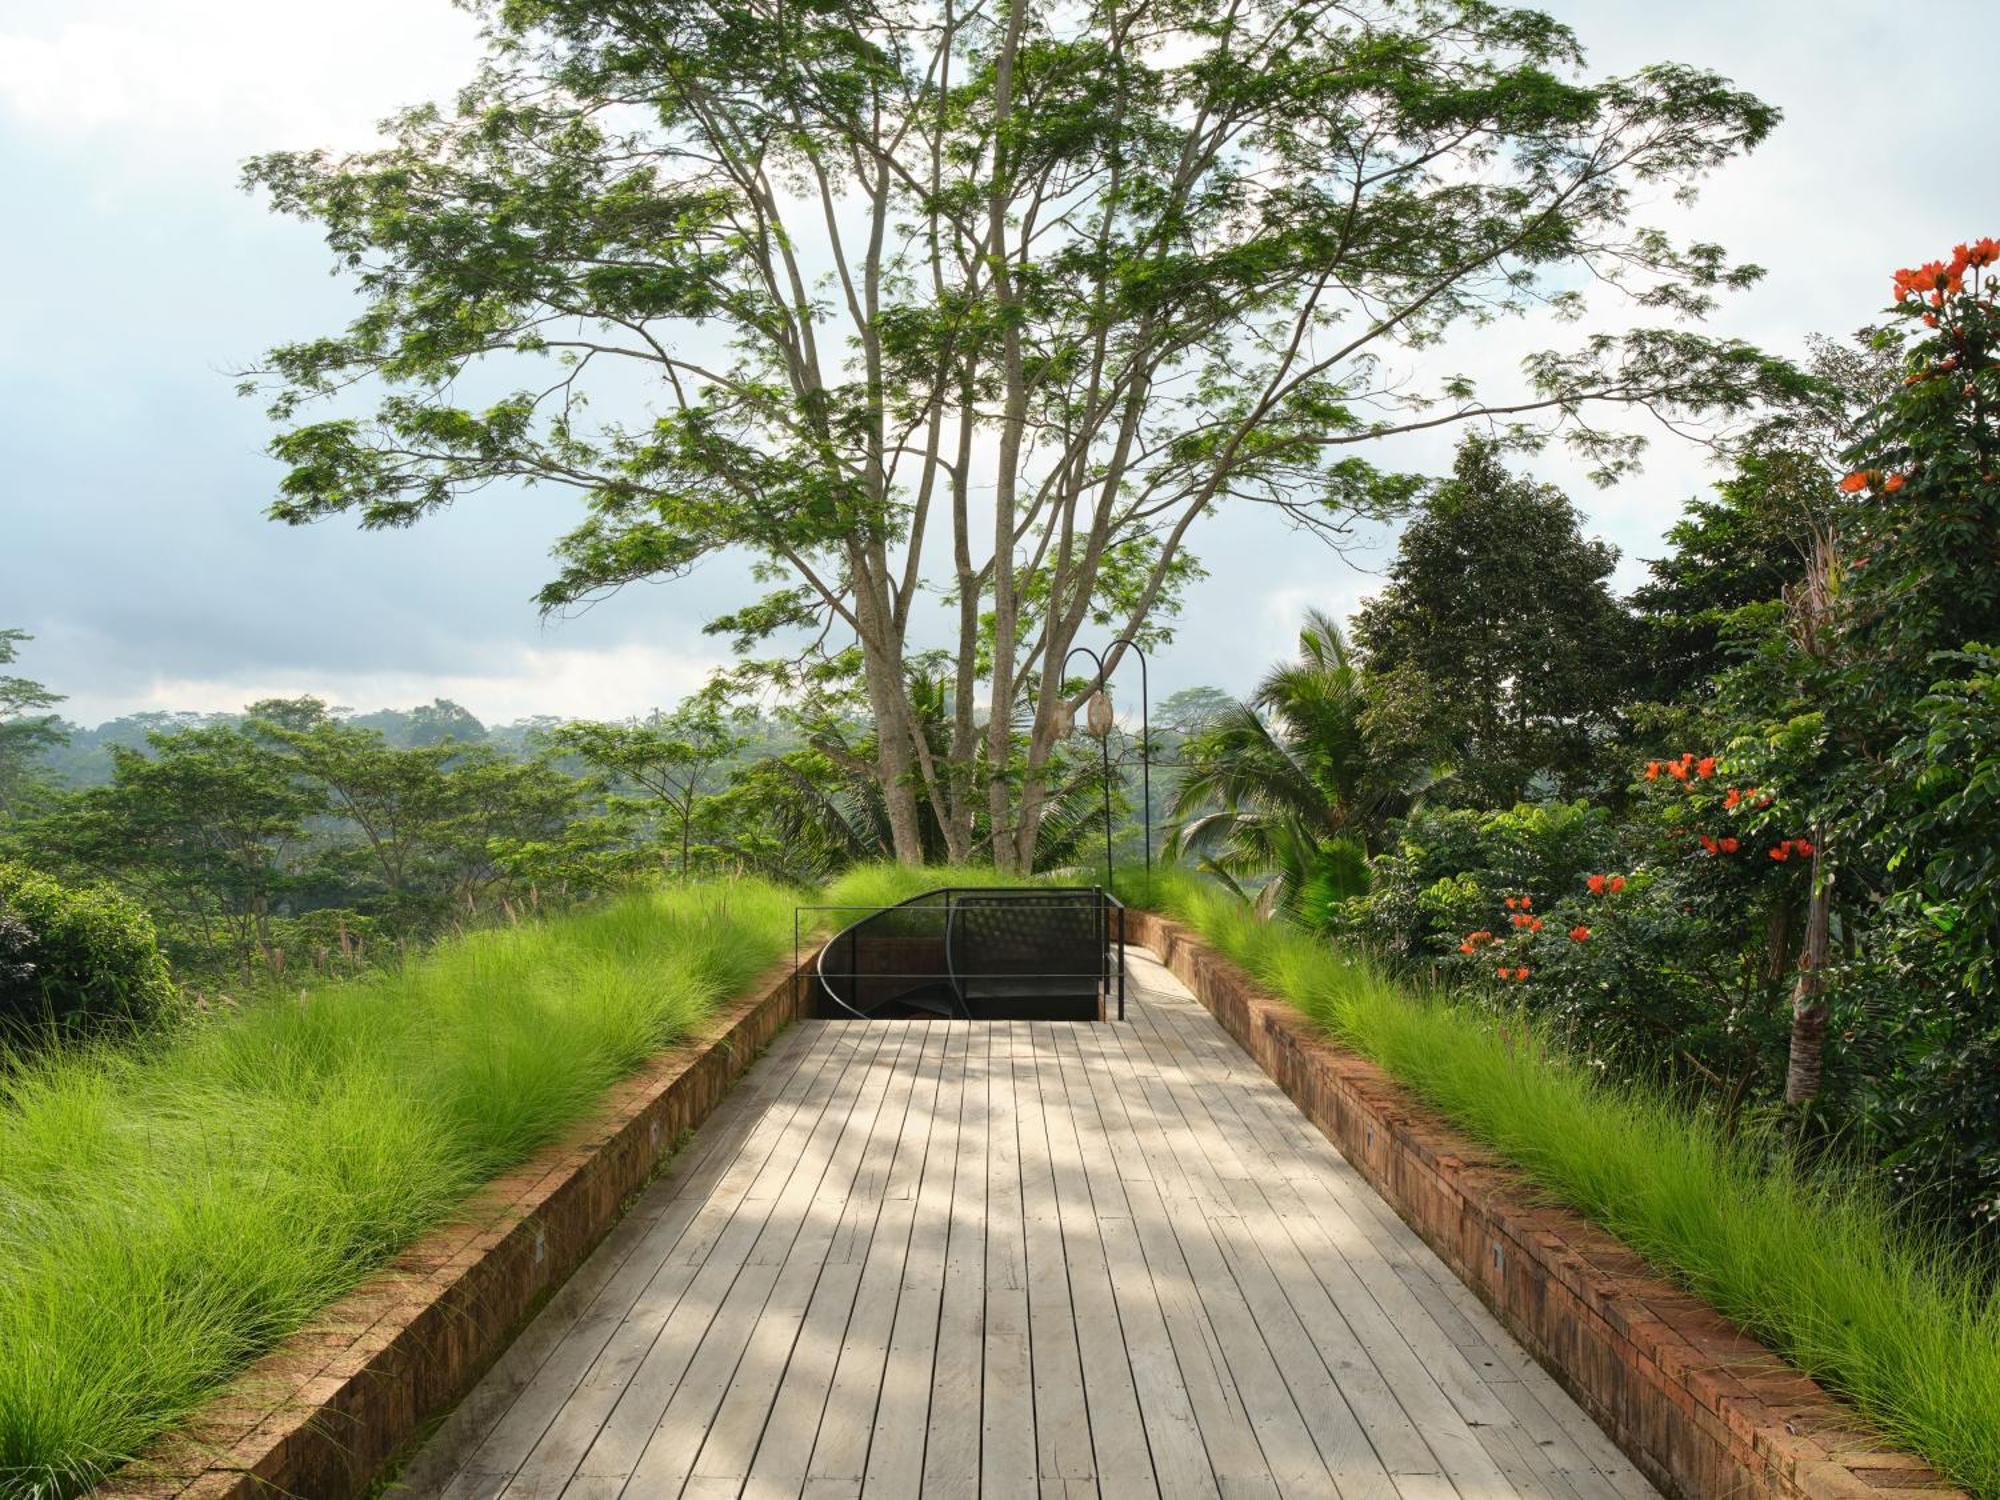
608 683
131 538
196 78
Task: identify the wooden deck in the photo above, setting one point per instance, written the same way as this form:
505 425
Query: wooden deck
943 1259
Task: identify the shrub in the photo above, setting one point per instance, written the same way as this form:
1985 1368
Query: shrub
82 959
1450 870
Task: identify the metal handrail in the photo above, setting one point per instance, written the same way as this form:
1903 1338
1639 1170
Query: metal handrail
1106 901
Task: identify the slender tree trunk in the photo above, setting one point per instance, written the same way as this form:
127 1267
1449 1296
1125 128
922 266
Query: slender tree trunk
1013 427
1809 1009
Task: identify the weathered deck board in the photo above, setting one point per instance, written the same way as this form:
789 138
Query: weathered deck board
1016 1258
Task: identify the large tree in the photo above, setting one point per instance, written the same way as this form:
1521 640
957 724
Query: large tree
1496 644
27 733
986 301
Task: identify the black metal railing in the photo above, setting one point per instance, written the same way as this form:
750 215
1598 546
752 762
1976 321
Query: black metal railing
971 952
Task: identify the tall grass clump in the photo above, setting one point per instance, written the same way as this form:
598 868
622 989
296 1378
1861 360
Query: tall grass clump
887 883
1818 1265
170 1212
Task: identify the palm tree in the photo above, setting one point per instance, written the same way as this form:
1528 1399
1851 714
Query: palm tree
1286 785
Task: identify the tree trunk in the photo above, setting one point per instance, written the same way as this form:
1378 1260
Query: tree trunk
1013 430
1809 1009
895 768
882 672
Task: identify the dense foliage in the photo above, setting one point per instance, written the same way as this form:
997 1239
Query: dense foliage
1773 882
295 841
75 961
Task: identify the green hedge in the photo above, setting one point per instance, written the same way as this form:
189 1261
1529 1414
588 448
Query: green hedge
76 959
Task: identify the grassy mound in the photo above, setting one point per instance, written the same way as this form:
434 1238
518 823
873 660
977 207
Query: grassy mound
1819 1268
168 1214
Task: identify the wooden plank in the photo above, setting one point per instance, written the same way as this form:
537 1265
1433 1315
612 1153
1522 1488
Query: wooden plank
1457 1373
951 1448
1320 1223
1235 1458
902 1412
761 1313
645 1389
1245 1373
1242 1223
1264 1196
848 1424
551 1353
1007 1453
1062 1418
555 1420
784 1452
1180 1466
1320 1203
1014 1258
1117 1432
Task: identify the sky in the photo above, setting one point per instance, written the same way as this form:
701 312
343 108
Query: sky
136 276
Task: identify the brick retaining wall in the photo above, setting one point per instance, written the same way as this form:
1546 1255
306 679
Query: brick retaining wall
1703 1409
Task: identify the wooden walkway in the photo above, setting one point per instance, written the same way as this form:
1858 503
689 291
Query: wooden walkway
928 1258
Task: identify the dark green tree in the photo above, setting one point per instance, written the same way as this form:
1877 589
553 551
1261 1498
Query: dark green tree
1758 535
1742 548
671 761
27 733
995 302
209 827
1496 644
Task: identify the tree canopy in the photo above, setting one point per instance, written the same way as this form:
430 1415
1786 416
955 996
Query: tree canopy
986 303
1497 642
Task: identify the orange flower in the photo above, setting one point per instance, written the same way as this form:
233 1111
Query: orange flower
1678 770
1513 903
1893 483
1732 798
1730 845
1783 851
1709 844
1501 972
1617 884
1930 321
1596 884
1706 768
1527 903
1652 770
1520 973
1466 948
1854 482
1534 924
1803 846
1579 934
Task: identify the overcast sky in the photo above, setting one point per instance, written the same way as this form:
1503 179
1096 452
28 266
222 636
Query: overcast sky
135 275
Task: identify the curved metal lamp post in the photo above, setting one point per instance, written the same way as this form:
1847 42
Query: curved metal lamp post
1098 719
1145 744
1100 709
